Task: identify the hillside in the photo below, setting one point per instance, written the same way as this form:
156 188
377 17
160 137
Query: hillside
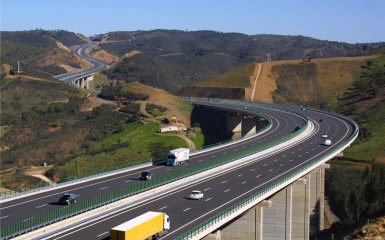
176 59
50 122
41 54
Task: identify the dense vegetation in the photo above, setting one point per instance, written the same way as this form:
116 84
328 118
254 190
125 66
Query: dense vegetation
115 91
175 59
355 195
37 51
45 122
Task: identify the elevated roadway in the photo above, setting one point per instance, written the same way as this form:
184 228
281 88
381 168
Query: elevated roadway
76 77
19 209
222 190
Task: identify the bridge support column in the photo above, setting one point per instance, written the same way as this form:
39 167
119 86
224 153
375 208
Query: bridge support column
234 122
82 82
249 125
296 212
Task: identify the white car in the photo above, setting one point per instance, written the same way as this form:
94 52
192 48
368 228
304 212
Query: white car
328 142
196 194
324 135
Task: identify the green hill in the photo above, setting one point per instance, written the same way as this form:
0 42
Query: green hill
38 52
194 56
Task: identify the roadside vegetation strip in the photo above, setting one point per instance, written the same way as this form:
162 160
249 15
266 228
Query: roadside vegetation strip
103 172
90 204
240 207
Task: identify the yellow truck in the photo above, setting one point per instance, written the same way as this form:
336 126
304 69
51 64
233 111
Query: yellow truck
150 225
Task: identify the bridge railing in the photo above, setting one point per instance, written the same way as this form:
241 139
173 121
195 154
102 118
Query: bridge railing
79 177
240 206
86 205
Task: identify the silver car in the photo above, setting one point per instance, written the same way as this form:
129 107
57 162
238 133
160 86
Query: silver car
196 195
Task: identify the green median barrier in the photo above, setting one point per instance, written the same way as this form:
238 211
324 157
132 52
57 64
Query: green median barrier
82 206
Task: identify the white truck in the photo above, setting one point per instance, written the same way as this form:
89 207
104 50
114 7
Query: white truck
150 225
178 156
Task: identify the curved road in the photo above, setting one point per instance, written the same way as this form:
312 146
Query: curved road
226 189
97 65
220 191
16 210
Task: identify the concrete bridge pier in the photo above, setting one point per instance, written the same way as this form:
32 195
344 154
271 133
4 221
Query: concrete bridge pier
241 124
83 82
295 212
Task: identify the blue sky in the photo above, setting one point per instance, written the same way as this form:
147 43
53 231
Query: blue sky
352 21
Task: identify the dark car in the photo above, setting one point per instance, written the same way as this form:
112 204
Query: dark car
146 175
67 199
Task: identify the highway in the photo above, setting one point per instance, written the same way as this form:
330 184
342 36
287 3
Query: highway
97 65
224 190
30 206
220 191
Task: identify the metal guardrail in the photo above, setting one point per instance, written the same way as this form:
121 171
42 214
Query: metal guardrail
259 193
43 186
86 205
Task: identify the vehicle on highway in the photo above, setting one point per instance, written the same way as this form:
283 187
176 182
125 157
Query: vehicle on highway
296 129
196 195
324 135
150 225
328 142
145 175
67 199
178 156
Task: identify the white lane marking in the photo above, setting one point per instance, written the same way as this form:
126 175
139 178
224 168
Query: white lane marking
281 165
227 190
41 205
224 181
128 181
270 170
284 156
4 216
208 199
265 164
291 160
102 234
240 175
76 188
253 169
258 175
244 182
275 160
186 209
162 208
213 156
207 189
224 153
103 188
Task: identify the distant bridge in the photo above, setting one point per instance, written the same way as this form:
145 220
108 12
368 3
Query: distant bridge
81 79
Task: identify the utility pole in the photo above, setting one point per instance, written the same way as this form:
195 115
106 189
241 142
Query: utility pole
18 66
268 57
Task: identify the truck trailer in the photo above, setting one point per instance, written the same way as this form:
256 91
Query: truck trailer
178 156
150 225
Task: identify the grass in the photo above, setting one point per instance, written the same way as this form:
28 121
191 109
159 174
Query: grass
139 136
198 140
335 76
375 146
237 78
